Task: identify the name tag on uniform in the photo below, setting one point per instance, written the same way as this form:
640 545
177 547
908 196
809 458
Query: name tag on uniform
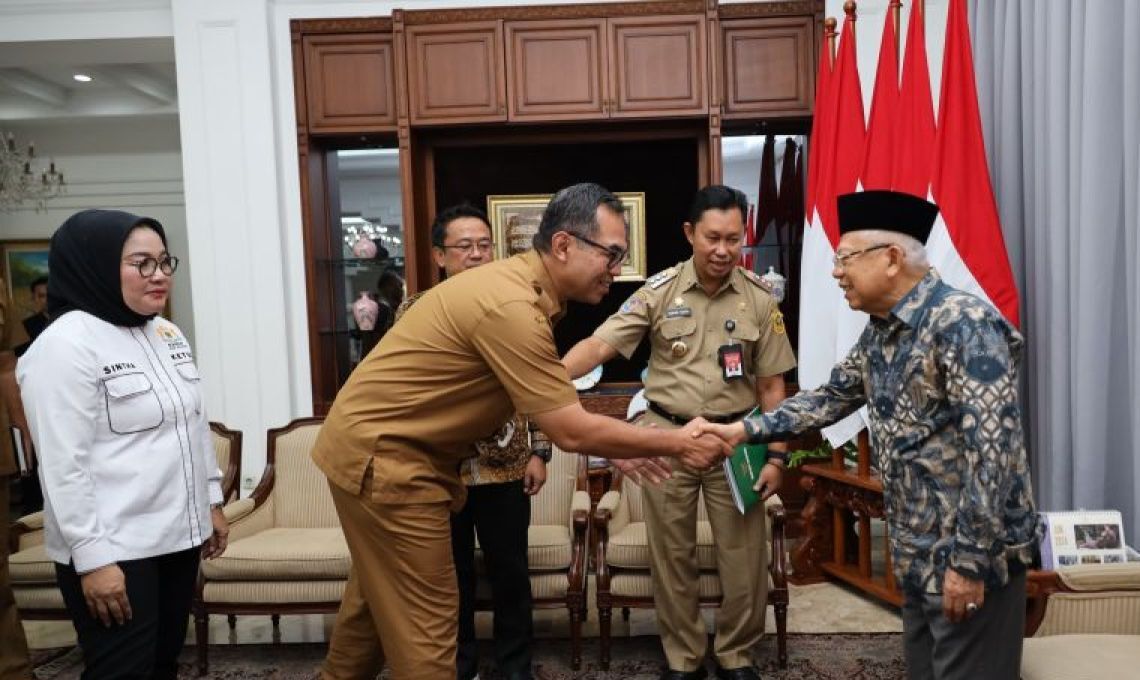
731 360
678 312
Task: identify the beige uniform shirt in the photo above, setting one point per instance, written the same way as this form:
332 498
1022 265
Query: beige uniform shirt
471 351
497 459
686 328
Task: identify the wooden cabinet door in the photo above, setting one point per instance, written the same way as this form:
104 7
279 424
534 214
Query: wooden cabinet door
768 67
556 69
455 73
657 66
350 81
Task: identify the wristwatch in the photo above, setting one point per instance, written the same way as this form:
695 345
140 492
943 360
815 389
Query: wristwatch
751 430
540 444
217 506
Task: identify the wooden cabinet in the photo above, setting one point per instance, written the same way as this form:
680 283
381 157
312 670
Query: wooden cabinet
556 69
350 82
657 66
456 73
768 67
643 67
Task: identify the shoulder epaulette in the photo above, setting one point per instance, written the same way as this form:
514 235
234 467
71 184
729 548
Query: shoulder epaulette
661 278
756 279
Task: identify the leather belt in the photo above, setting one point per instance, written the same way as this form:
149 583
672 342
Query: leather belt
681 420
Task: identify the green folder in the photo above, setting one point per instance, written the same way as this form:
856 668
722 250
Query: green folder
742 470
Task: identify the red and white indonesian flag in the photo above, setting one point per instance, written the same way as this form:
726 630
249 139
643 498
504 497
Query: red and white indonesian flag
905 150
828 327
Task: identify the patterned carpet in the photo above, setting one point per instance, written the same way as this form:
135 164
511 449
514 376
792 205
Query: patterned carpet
811 657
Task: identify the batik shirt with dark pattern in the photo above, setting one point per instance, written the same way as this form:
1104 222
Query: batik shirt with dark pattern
939 378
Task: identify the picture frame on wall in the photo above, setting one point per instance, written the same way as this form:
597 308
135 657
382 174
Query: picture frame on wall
22 262
515 219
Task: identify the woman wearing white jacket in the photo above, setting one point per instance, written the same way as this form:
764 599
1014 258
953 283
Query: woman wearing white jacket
132 497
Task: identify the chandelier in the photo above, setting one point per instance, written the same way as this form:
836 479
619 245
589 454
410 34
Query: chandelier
20 180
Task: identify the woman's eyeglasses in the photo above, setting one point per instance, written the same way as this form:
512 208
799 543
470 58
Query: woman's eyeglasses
148 265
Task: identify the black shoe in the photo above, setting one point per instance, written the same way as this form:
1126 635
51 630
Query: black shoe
671 674
742 673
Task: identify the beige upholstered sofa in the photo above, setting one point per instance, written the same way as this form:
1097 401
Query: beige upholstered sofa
287 553
33 573
622 564
557 550
1084 623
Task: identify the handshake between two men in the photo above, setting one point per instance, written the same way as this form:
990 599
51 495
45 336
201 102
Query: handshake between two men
703 446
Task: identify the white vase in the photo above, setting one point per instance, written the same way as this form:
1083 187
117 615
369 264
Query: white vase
364 248
365 310
777 282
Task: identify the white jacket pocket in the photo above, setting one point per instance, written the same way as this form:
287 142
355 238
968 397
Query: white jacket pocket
132 405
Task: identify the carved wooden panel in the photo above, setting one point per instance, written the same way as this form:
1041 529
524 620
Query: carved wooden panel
350 81
456 73
555 69
768 67
657 66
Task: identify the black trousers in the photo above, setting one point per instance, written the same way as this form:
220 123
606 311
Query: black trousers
159 590
986 646
500 515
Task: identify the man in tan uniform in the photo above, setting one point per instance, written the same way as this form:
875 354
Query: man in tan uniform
14 663
472 351
499 481
718 349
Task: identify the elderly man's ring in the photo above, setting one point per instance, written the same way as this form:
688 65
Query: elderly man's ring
971 607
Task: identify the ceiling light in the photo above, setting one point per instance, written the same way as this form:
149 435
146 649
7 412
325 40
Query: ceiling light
82 77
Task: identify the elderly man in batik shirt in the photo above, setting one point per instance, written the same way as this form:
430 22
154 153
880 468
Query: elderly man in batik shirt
937 369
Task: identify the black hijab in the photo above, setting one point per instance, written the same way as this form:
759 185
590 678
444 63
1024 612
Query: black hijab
84 261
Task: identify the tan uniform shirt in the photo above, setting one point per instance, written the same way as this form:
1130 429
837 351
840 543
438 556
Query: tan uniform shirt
497 459
687 327
471 351
11 334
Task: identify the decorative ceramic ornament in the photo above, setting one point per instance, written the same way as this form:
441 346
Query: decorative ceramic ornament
777 281
364 248
365 310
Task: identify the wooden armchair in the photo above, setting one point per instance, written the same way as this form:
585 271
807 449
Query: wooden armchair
287 553
557 546
622 562
1082 622
227 449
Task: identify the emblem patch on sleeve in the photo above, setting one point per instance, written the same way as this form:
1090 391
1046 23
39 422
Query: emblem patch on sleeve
634 304
778 322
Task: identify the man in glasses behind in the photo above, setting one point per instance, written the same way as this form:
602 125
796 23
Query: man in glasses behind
718 349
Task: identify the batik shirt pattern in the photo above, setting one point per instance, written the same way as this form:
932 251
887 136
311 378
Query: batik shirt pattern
939 377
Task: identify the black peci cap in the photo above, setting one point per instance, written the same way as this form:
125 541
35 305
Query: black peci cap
886 210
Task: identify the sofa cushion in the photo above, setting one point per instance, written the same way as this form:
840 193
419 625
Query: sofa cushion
31 565
1080 657
630 547
548 549
283 555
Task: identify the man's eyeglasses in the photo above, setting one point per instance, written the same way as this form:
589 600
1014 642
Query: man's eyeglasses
841 260
148 265
614 254
467 247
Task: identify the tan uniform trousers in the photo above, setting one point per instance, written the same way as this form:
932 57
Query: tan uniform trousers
741 560
401 603
14 663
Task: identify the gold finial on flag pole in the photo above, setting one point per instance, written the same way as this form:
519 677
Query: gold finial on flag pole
829 34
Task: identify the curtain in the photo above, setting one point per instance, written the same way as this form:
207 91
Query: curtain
1059 91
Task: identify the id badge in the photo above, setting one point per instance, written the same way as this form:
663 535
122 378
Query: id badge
731 360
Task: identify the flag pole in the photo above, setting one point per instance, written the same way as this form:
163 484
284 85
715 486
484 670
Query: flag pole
830 34
895 9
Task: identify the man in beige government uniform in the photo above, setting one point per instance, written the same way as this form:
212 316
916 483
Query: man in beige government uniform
718 349
470 352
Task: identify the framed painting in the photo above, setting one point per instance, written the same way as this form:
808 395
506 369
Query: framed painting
515 219
23 262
